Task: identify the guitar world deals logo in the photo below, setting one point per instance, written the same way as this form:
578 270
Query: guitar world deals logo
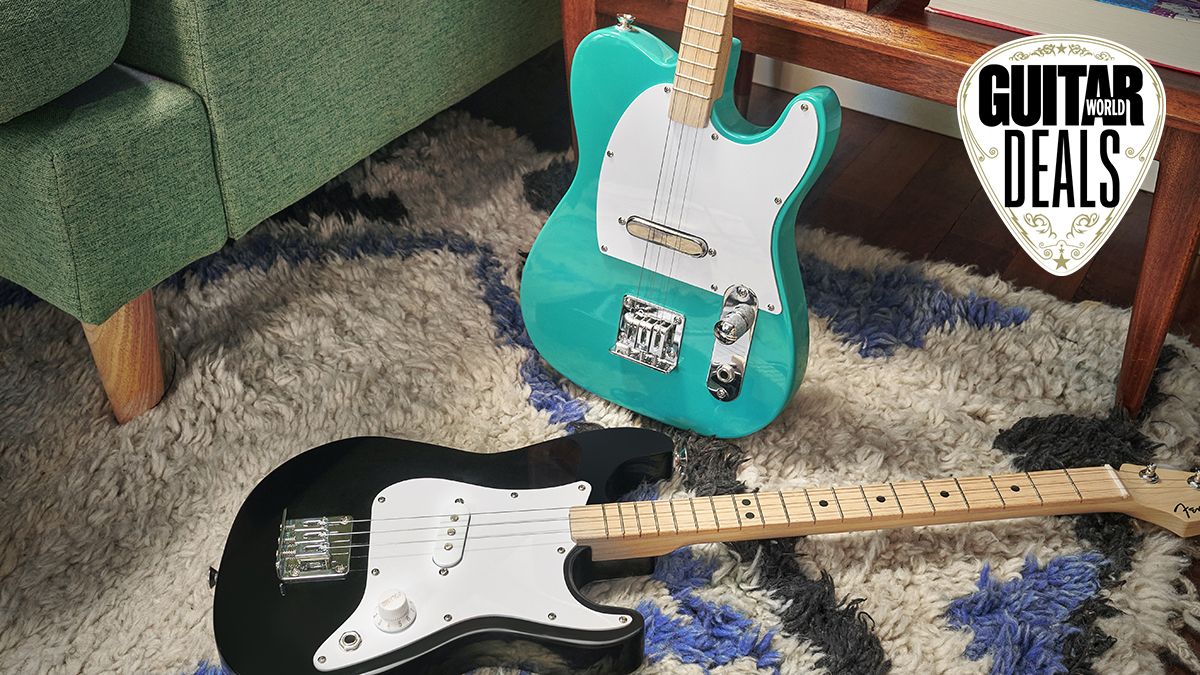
1061 130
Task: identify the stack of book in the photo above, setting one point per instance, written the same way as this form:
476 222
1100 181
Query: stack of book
1164 32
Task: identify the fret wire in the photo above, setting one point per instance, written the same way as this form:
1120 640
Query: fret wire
810 508
897 498
1068 475
927 496
691 93
783 503
757 503
654 512
960 491
699 46
1003 504
694 79
692 503
697 63
712 504
709 11
870 511
674 520
1035 489
702 30
621 519
604 515
637 518
837 502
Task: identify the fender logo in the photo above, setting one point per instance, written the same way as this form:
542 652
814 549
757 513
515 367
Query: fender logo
1187 510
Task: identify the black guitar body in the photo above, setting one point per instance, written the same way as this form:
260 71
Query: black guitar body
265 626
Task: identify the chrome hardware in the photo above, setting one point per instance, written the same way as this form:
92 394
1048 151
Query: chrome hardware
648 334
625 22
349 641
311 549
734 332
668 237
1194 479
1149 474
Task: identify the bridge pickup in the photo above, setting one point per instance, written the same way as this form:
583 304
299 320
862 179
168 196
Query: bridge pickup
668 237
312 549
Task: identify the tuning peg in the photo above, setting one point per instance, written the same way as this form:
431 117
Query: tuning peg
1149 474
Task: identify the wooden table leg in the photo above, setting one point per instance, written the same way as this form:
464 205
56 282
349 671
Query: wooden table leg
578 19
126 351
743 82
1171 240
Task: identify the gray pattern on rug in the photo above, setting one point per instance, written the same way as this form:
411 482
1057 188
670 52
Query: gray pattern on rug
386 304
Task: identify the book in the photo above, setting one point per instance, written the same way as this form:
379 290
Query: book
1164 32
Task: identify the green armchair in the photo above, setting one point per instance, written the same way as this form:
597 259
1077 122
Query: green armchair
137 136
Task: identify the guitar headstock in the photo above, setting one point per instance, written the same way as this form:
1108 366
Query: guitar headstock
1168 498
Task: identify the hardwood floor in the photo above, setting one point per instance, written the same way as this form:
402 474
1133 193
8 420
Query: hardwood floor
913 190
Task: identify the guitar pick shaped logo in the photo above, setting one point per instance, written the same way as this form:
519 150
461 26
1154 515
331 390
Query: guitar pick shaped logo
1061 130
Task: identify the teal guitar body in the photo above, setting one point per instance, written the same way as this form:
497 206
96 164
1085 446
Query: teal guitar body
666 280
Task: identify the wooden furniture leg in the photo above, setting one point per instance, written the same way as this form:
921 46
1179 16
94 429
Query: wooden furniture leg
578 19
1171 240
743 82
125 349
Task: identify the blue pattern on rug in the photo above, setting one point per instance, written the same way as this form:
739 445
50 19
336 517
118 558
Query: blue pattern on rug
701 632
206 668
877 311
1023 623
882 310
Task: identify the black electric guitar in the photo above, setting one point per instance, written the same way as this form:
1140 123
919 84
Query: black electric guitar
374 555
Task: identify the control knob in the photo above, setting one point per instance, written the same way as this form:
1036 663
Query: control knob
394 612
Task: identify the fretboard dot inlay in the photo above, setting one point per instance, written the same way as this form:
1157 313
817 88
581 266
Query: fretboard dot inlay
745 502
823 503
1016 488
881 499
749 514
944 493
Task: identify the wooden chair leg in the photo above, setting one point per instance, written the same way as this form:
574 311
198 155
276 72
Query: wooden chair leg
126 351
1171 241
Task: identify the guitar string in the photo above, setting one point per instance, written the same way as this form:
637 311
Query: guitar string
696 136
1082 481
845 513
589 518
654 205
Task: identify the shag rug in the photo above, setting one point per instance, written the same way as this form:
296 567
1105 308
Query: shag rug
387 303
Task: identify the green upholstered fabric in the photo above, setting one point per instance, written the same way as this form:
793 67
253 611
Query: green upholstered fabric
299 90
48 47
106 191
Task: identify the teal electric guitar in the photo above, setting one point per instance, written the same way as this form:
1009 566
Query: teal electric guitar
666 280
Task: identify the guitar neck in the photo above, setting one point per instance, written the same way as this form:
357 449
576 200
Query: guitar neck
638 529
704 49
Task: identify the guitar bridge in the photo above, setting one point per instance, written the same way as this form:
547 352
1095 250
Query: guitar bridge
312 549
649 334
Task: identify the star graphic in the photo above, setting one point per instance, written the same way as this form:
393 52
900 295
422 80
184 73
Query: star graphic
1061 49
1061 261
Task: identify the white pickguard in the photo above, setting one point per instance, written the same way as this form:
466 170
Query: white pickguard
720 190
510 564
